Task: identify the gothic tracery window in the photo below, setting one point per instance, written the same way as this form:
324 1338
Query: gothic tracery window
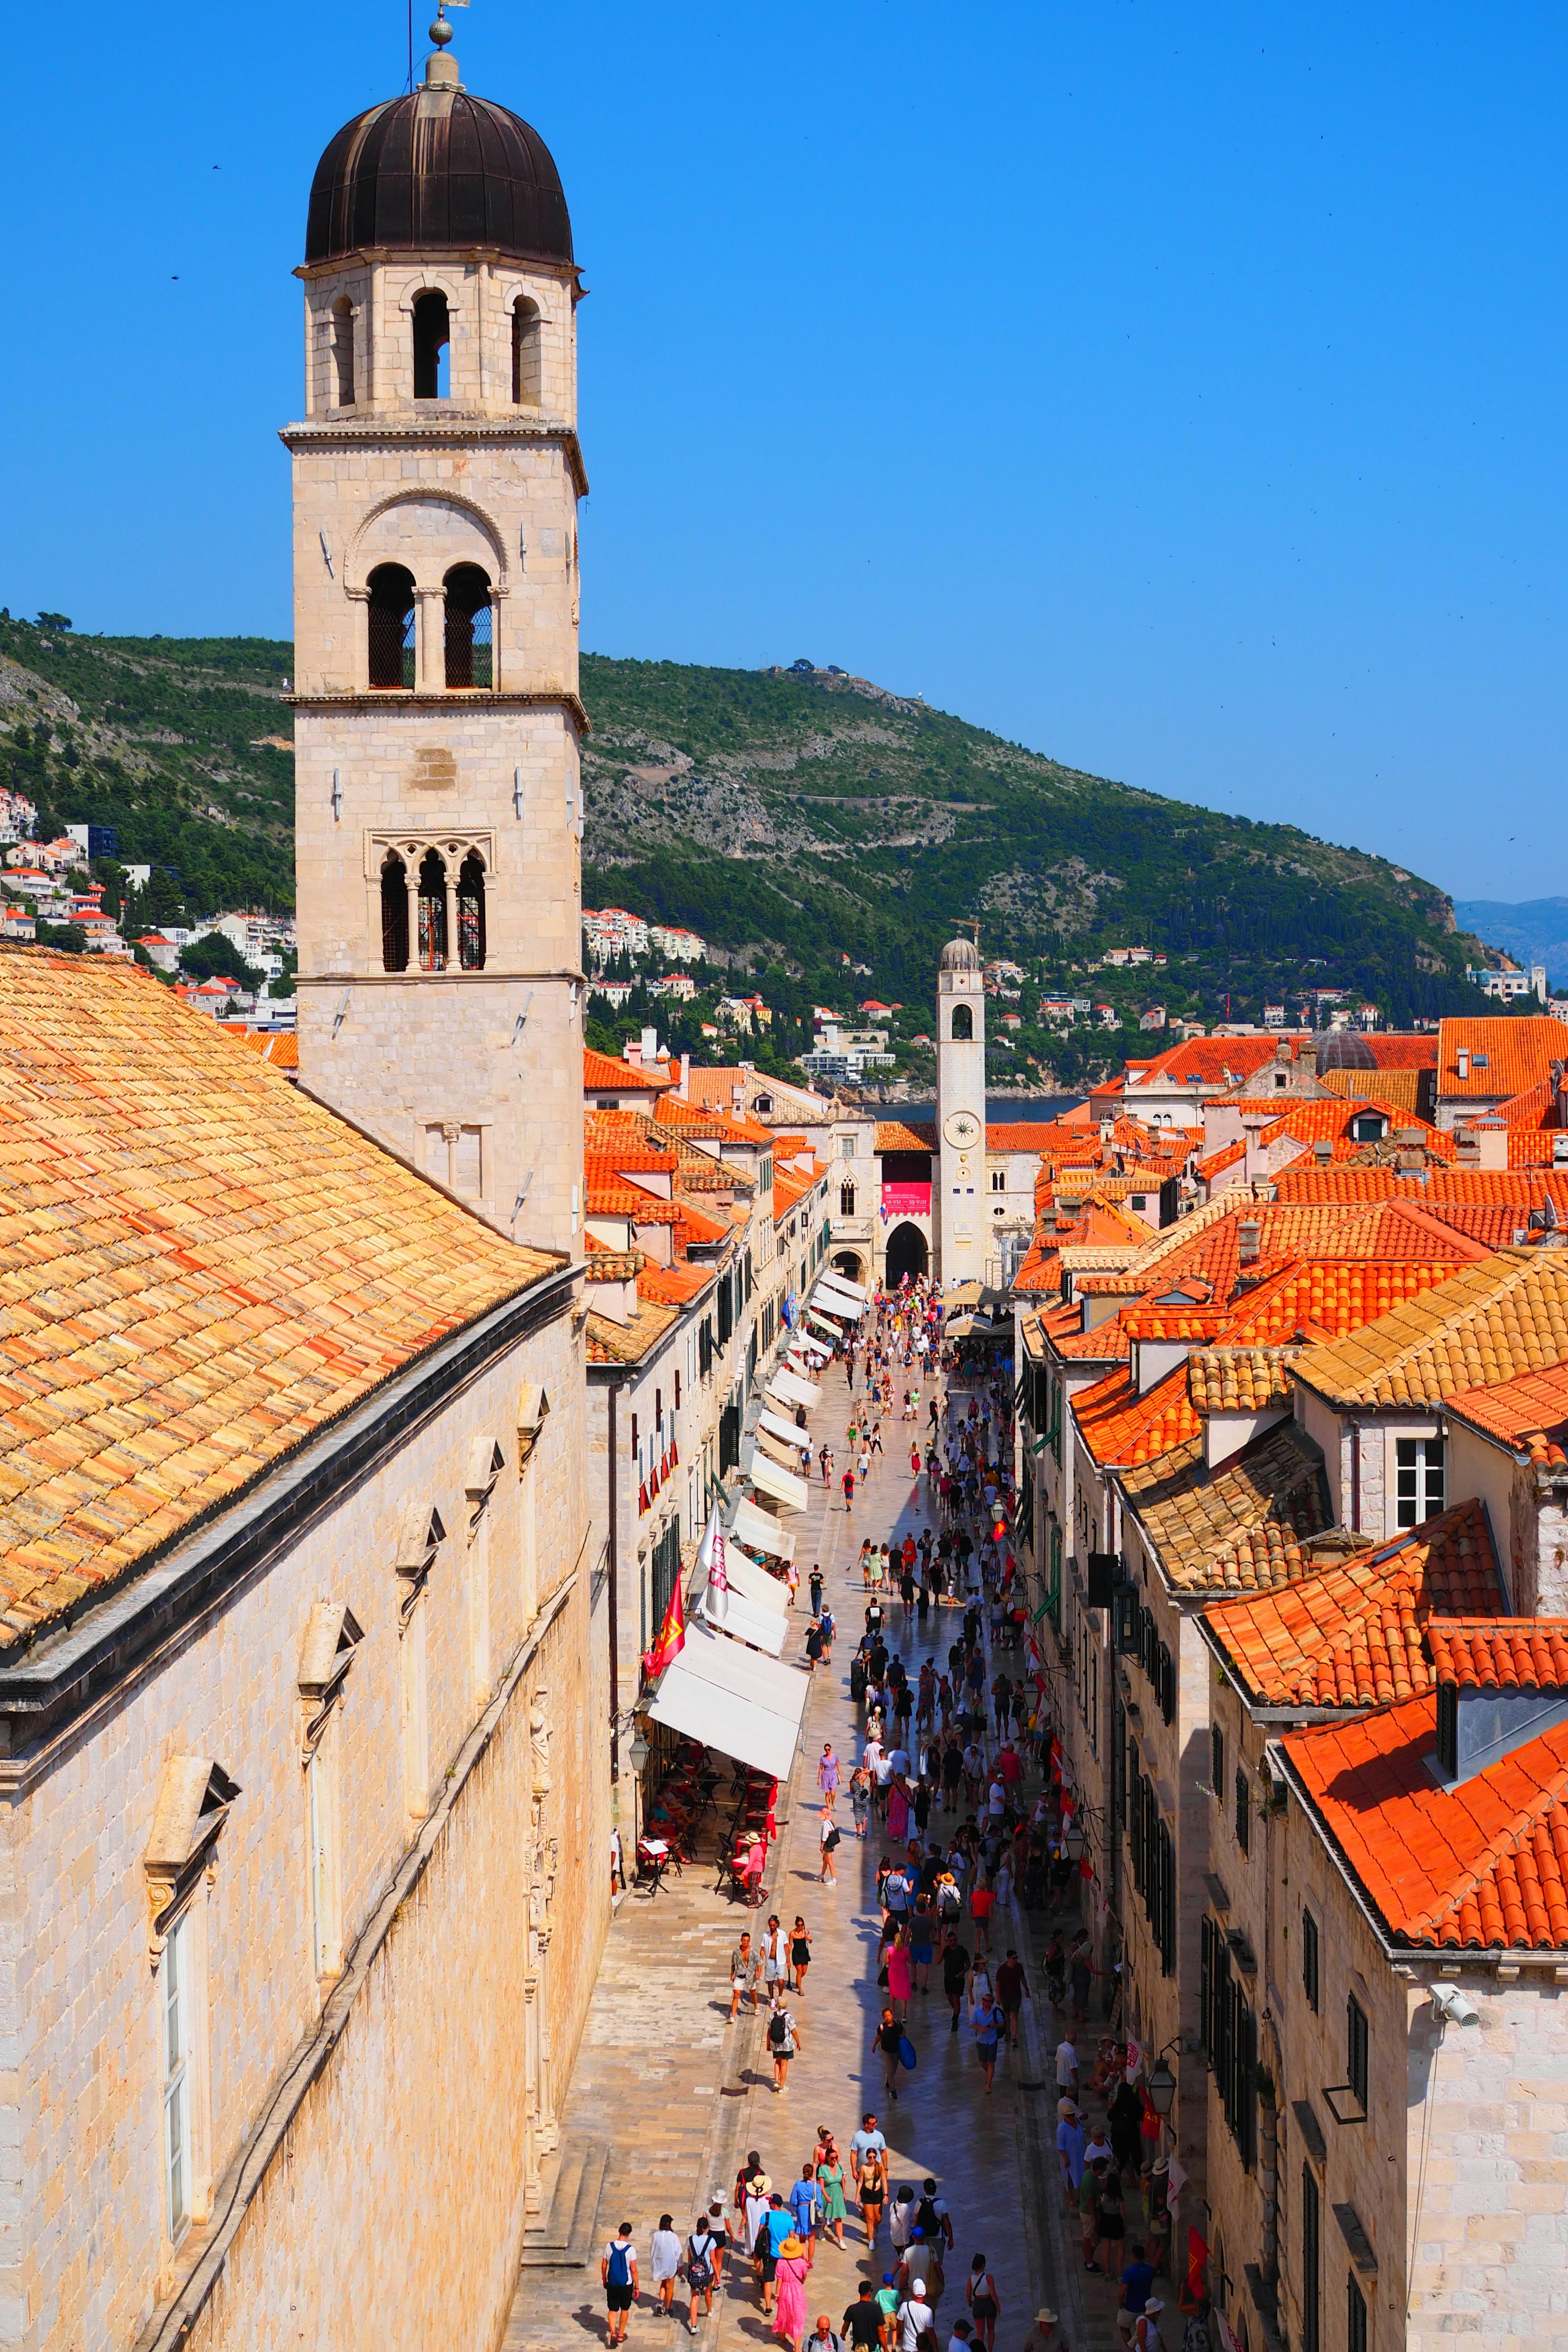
432 912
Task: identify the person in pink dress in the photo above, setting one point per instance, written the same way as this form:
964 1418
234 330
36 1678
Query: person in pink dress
789 2281
900 1974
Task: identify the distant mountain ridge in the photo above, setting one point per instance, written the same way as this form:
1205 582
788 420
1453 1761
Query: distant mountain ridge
804 812
1531 930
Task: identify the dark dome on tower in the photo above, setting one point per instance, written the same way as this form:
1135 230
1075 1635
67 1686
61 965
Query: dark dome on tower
440 168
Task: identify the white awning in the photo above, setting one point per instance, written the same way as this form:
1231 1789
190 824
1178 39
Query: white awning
782 1485
809 1350
771 1449
836 1302
719 1691
842 1282
761 1530
833 1285
790 1389
747 1576
745 1620
788 1431
823 1324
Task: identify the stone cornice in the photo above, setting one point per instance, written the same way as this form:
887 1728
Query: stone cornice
438 432
450 698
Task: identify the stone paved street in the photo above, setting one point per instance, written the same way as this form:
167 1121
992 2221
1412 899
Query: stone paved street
680 2096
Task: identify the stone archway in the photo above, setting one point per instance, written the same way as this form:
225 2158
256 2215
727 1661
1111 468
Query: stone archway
907 1253
851 1265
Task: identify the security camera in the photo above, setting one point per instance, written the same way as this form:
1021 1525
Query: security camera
1455 2007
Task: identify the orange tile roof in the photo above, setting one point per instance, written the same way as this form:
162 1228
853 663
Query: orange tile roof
718 1126
1533 1405
1107 1344
1026 1135
1527 1653
1351 1635
1216 1162
601 1070
1326 1298
1392 1089
1205 1061
607 1196
608 1153
1506 1315
1119 1426
1239 1525
1519 1050
603 1264
675 1285
1391 1050
1480 1866
609 1342
693 1229
1238 1380
278 1046
200 1268
894 1135
1304 1185
1528 1191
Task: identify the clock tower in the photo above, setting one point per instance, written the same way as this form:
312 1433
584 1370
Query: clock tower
958 1226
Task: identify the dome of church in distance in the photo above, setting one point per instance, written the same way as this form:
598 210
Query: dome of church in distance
438 168
960 955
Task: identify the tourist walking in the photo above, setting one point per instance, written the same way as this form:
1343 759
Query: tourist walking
827 1843
784 2040
744 1968
799 1952
806 2204
789 2280
830 2180
873 2193
986 2023
889 2042
701 2270
985 2303
663 2263
618 2276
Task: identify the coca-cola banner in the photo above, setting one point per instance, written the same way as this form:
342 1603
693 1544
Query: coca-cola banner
906 1200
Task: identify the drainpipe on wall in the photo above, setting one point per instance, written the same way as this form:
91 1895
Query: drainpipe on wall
614 1452
1354 1429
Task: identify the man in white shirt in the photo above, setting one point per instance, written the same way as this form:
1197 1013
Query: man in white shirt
915 2317
1066 2067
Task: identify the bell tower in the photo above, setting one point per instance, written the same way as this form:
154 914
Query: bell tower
958 1227
436 721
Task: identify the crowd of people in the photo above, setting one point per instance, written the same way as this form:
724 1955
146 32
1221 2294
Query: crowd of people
952 1745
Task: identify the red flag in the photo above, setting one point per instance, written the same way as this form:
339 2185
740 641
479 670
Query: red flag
671 1637
1197 2255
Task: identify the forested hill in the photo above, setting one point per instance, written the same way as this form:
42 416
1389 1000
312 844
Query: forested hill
803 814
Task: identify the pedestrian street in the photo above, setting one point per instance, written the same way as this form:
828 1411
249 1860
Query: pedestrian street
681 2096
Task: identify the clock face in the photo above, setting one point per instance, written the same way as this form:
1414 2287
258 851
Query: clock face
961 1128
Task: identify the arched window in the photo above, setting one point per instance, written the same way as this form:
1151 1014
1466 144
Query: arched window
432 346
846 1200
432 912
394 913
963 1022
525 354
343 349
472 913
391 626
470 650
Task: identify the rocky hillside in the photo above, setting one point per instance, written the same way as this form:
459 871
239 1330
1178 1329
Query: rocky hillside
799 815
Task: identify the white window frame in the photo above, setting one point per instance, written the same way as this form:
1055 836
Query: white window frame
1425 1473
176 1990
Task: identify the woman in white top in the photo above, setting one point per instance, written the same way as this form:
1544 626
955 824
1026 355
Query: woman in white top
664 2261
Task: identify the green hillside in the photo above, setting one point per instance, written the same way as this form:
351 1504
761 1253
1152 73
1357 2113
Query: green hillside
796 817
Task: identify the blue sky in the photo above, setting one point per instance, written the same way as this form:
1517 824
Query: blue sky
1178 390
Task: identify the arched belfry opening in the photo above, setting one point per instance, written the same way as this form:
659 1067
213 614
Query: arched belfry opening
962 1022
343 349
527 371
432 346
394 913
391 655
470 627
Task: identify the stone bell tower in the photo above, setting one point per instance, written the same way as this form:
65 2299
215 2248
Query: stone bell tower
958 1228
438 798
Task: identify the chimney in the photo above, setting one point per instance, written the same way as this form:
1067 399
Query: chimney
1309 1057
684 1089
1411 1156
632 1052
649 1047
1323 1152
1248 1240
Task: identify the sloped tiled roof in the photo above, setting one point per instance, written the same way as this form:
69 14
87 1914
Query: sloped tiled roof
200 1268
606 1070
1536 1404
1121 1427
897 1135
1480 1866
609 1342
1519 1050
606 1195
1398 1090
1216 1162
1351 1635
1523 1654
1238 1380
1238 1526
1495 1319
278 1046
1206 1061
675 1285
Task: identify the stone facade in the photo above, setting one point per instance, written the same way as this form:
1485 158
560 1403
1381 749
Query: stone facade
962 1220
405 1893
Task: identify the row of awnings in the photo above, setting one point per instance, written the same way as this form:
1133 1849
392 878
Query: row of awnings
727 1686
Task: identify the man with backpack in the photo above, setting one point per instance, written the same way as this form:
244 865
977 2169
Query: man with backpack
700 2269
618 2276
784 2040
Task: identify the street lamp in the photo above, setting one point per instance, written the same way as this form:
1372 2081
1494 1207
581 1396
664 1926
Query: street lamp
638 1754
1072 1844
1161 2085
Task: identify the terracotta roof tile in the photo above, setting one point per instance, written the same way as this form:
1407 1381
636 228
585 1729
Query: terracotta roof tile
609 1342
1480 1866
606 1070
1238 1526
200 1268
1525 1654
675 1285
1238 1380
1506 1315
1531 1407
1518 1052
897 1135
1351 1635
1119 1426
1394 1089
